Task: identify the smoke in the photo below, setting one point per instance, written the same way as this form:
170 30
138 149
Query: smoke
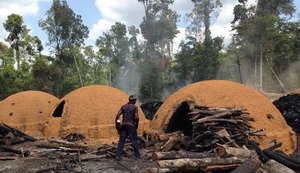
229 70
291 77
128 78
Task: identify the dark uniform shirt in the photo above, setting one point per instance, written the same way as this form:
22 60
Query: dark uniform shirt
129 110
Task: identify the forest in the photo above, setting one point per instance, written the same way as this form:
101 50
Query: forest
264 51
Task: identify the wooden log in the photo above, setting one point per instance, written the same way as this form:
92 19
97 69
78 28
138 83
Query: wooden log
199 163
219 167
8 158
181 154
48 145
14 150
71 150
65 143
275 167
18 133
225 151
253 133
282 160
84 158
198 137
158 170
182 143
261 170
60 141
169 144
275 146
263 157
226 120
223 133
216 116
166 136
151 143
249 166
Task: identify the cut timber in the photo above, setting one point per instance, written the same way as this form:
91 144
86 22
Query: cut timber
91 157
65 143
275 167
219 115
60 141
18 133
249 166
225 151
169 144
14 150
224 134
9 158
261 170
219 167
180 154
166 136
199 163
158 170
293 164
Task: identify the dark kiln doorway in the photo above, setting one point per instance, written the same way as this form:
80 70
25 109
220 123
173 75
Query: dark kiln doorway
59 109
180 120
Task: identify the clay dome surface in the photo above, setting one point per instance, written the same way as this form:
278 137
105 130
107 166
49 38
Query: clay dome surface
220 93
91 111
296 91
28 111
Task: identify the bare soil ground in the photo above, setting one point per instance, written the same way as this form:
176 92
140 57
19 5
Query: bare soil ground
42 161
52 165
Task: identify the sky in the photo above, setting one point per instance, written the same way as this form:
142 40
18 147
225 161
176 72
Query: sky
99 15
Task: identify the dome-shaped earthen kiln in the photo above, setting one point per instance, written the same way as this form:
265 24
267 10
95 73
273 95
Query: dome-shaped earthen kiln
28 111
296 91
220 93
91 111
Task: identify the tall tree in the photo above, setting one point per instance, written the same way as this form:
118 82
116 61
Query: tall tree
113 45
200 57
159 28
66 33
201 15
258 33
64 28
14 25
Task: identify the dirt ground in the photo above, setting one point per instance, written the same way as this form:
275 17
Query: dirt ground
29 165
42 161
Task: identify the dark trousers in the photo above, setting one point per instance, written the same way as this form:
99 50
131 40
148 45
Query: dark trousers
125 131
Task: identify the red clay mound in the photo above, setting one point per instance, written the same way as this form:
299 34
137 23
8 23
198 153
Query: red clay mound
219 93
91 111
28 111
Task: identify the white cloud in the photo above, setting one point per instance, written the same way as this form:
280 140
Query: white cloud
131 12
21 7
222 26
101 26
128 12
180 36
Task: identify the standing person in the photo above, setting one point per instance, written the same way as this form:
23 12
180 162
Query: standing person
130 121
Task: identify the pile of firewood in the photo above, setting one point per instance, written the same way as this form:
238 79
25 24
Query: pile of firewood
10 136
219 142
227 159
211 127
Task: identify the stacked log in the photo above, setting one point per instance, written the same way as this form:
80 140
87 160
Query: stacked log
203 161
10 135
212 127
219 142
220 126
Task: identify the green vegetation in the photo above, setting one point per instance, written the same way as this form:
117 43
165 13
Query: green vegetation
262 53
